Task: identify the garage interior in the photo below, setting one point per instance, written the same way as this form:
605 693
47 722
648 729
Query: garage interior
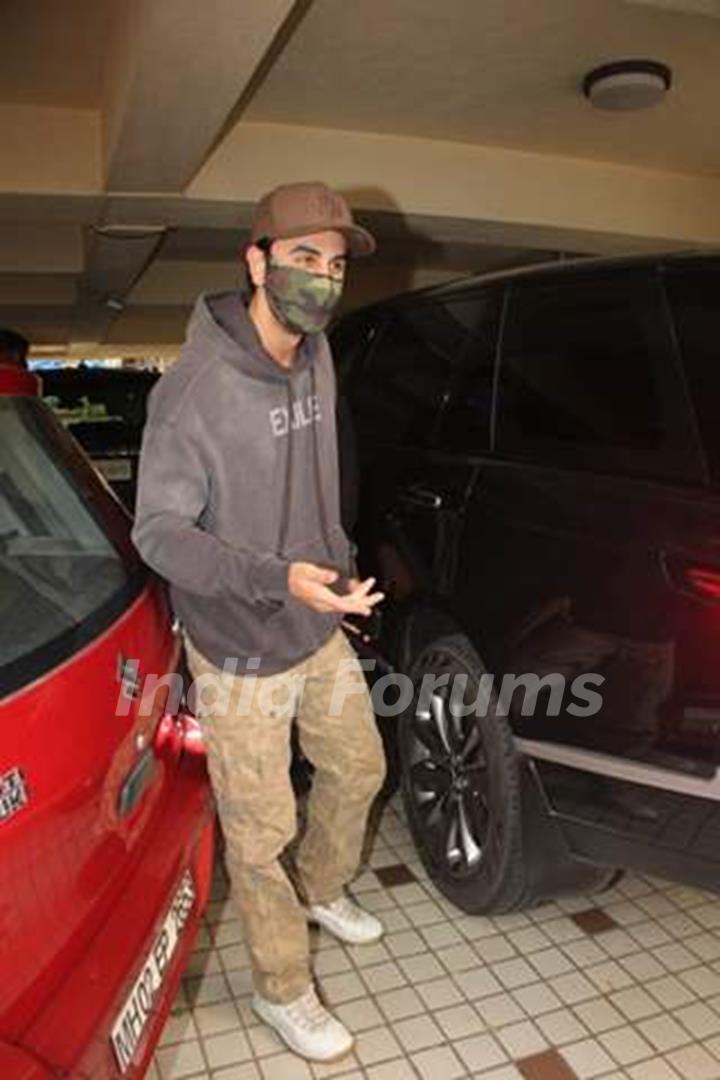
136 137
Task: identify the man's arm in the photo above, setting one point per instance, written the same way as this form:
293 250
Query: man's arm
172 494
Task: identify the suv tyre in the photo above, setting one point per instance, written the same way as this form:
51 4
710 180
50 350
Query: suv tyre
461 783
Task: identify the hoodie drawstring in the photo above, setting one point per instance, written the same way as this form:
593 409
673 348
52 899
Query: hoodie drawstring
285 510
287 493
318 479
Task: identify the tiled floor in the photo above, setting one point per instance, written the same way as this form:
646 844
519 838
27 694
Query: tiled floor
622 985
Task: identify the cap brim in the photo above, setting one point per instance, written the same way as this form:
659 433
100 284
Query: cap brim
359 240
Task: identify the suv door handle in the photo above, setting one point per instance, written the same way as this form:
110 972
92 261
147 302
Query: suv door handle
422 497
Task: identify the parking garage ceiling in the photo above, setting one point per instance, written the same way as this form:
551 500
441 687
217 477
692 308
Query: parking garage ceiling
136 135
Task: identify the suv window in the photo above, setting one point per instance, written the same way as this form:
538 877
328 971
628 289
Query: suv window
695 300
403 385
583 368
467 418
58 568
350 339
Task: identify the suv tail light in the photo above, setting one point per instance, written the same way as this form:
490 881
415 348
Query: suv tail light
702 581
705 583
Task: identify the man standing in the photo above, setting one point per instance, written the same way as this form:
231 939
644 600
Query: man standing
238 507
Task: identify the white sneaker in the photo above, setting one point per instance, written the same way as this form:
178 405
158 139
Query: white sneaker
347 921
306 1026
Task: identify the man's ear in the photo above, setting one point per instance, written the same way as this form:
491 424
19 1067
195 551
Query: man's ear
255 261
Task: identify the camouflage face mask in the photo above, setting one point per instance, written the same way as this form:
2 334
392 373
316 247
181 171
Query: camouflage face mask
300 300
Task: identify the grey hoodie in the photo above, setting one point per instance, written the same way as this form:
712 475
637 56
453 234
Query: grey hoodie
238 478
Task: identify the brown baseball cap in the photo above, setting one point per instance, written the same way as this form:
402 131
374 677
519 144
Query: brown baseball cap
308 207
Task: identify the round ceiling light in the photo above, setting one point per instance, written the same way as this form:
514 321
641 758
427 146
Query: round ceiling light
628 84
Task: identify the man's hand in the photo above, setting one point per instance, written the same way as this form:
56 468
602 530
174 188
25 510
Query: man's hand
310 584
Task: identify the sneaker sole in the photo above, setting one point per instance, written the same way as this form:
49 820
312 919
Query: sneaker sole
296 1049
346 940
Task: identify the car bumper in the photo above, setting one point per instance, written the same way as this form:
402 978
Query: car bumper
74 1032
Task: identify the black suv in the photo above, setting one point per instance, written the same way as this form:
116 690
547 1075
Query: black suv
539 461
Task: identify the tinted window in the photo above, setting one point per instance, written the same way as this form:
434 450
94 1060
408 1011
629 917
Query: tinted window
695 300
58 569
466 421
404 383
580 368
349 340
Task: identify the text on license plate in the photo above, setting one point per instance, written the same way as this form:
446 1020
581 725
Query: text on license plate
132 1018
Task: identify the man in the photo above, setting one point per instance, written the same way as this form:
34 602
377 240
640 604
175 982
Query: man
238 507
13 348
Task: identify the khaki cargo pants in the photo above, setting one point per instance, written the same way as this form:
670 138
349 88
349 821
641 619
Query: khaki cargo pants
247 722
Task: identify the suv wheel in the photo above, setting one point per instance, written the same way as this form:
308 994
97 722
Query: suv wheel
461 785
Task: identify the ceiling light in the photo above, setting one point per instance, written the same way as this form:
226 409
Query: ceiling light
628 84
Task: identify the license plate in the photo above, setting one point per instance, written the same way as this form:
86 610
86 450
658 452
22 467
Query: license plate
132 1019
114 468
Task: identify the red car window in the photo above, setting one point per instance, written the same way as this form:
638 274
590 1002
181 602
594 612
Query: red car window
63 575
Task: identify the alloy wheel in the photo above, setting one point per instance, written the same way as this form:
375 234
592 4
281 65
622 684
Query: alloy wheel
448 782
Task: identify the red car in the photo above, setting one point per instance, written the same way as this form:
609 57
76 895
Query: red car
106 815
